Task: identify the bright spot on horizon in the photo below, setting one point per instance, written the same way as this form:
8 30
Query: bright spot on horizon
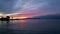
23 17
1 14
18 17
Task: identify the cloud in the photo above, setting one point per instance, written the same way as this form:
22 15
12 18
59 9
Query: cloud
29 6
6 6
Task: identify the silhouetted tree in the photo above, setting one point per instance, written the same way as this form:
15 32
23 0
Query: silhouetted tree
8 17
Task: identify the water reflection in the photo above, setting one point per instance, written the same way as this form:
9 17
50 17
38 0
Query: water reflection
19 24
22 21
22 24
4 23
29 26
4 27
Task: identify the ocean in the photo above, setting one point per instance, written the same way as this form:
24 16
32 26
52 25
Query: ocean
30 26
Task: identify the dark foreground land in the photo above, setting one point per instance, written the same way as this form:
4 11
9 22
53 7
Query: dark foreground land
30 26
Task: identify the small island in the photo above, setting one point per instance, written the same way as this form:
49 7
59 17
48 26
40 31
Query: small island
7 18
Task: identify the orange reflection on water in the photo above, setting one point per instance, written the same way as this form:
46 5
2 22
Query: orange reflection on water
22 24
22 21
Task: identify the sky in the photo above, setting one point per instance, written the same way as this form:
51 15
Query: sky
39 7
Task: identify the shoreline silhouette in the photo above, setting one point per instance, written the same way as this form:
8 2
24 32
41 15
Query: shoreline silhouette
8 18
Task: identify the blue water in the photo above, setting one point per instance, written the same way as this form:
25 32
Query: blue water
30 26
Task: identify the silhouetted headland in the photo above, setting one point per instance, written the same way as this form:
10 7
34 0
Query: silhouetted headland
7 18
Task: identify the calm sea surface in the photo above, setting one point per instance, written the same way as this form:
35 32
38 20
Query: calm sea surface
30 26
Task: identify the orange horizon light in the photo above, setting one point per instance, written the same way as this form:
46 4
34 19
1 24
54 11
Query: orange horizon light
23 17
19 17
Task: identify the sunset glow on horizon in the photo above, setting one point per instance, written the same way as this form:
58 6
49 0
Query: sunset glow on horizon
23 17
19 17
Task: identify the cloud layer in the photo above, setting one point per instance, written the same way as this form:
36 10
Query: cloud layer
30 6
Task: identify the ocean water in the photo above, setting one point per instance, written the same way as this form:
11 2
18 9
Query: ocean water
30 26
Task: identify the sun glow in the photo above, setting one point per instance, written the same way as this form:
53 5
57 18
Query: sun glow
23 17
18 17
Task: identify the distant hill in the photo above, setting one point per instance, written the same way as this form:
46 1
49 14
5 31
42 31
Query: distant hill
57 16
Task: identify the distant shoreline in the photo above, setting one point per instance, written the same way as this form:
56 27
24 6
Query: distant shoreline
22 19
